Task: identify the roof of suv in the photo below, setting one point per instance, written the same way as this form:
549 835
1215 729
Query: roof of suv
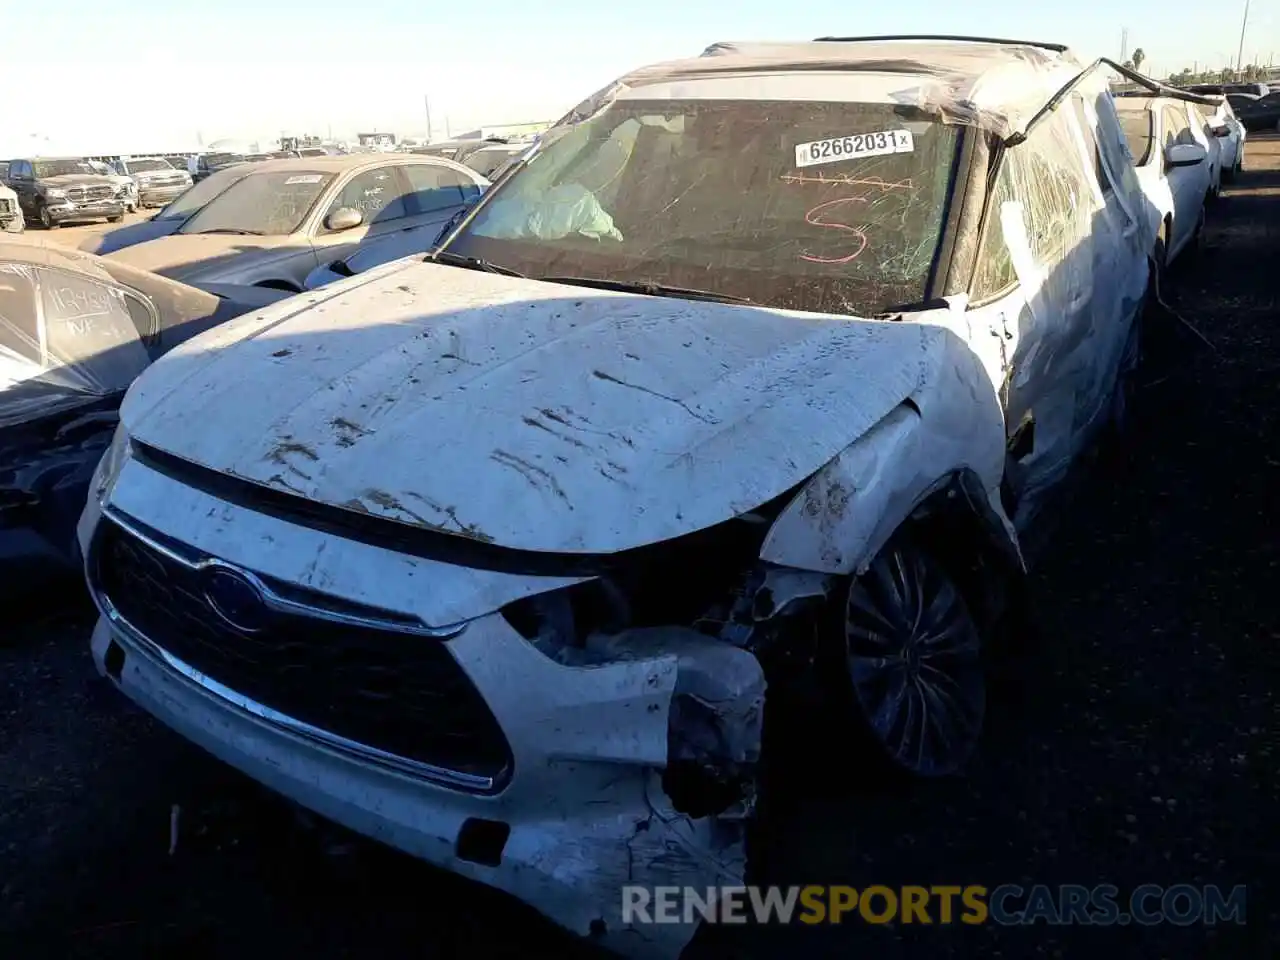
997 85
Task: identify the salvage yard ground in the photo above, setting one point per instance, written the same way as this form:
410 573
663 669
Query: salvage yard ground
74 234
1145 750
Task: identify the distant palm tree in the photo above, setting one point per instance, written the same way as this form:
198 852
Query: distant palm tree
1138 56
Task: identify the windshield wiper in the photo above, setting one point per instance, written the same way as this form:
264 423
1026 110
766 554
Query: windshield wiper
238 233
650 289
473 263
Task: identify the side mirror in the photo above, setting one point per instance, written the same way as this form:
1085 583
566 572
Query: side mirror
1222 131
1185 154
344 218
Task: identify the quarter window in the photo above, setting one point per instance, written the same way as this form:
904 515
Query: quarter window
1137 132
1176 128
995 272
19 335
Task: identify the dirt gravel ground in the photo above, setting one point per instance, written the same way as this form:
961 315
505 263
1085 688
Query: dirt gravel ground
1143 746
76 233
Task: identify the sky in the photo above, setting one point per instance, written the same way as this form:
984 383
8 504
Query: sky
143 75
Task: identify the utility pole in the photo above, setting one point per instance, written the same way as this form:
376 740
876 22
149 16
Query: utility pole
1240 50
426 102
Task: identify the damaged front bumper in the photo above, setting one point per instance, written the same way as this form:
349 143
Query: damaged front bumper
581 810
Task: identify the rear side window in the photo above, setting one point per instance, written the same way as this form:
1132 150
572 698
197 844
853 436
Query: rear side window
995 272
438 188
19 334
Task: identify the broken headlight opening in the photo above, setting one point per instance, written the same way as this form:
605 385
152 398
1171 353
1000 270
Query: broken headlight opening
734 626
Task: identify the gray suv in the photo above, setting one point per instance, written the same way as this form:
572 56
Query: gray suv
62 190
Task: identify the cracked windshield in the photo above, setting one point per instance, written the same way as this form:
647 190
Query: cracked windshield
824 207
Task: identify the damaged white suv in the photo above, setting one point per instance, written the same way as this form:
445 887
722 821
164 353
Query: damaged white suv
761 358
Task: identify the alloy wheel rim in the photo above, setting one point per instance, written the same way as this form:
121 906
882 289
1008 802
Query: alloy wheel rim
914 657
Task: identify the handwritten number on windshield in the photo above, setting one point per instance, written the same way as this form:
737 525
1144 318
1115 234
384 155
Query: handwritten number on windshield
824 215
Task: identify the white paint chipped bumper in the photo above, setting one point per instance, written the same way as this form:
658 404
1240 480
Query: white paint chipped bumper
584 804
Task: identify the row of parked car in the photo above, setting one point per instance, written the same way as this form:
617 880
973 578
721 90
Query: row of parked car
1184 146
52 191
751 375
1255 104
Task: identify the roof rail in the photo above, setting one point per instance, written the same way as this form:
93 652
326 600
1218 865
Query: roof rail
1155 87
1055 47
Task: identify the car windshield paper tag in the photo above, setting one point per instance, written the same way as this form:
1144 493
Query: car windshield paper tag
856 145
306 178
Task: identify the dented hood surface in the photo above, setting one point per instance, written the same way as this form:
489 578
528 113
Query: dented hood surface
532 415
185 256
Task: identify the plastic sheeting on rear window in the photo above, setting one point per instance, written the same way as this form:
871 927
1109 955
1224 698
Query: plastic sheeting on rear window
65 339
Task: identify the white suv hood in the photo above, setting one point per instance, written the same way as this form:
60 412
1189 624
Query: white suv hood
531 415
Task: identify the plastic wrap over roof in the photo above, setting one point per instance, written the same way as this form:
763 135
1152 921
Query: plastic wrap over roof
997 86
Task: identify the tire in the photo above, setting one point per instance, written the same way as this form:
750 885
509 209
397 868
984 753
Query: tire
907 664
46 220
115 219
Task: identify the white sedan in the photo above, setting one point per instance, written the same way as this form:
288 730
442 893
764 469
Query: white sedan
1174 168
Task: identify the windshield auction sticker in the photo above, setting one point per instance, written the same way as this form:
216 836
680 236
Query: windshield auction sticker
851 147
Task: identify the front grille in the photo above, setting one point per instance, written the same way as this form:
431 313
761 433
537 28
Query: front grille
88 194
396 692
